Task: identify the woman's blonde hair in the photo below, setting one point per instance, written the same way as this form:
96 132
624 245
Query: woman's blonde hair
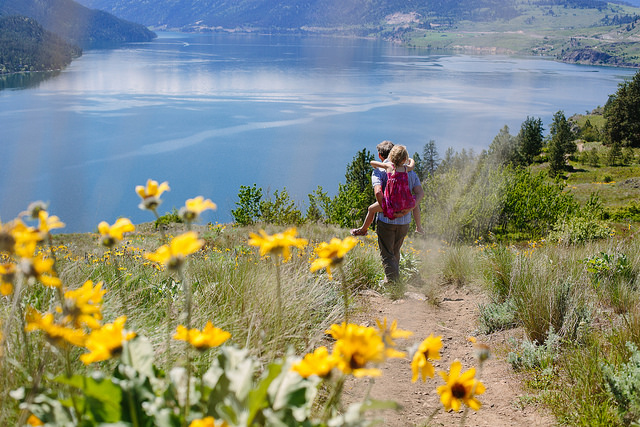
398 155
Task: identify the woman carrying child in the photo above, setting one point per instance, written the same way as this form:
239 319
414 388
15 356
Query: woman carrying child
397 194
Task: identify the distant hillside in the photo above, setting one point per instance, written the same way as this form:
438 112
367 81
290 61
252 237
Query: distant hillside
26 46
294 14
76 23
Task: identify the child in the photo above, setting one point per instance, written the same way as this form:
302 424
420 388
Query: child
397 194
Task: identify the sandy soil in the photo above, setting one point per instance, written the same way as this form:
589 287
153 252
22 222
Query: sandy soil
504 402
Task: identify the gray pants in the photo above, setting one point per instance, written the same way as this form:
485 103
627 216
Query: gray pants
390 238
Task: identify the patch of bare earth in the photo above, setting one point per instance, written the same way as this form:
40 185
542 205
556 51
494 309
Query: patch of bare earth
503 404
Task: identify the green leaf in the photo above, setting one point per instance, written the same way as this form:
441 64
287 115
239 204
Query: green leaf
257 398
138 353
102 396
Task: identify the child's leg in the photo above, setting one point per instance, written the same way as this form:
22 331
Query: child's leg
371 213
416 218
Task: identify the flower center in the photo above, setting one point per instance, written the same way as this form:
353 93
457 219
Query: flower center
458 391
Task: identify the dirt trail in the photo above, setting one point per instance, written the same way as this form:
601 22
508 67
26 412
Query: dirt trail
455 320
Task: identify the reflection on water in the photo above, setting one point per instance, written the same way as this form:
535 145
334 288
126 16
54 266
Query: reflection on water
209 113
26 80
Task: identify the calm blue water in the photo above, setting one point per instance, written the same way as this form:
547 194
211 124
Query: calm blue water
209 113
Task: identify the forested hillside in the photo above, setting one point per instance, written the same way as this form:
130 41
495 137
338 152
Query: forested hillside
323 13
76 23
26 46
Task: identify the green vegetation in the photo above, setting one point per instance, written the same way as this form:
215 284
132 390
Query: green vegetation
584 31
26 46
76 23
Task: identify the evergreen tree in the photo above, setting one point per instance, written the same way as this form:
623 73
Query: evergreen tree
430 157
420 167
614 157
622 112
504 148
530 139
561 144
359 171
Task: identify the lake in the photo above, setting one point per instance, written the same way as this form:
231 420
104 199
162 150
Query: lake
209 113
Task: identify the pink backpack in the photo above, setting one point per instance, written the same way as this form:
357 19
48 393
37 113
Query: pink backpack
397 194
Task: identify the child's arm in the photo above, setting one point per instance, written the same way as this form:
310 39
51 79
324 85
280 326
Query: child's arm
410 164
377 164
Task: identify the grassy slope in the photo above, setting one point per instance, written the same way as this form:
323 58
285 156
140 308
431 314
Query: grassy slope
537 31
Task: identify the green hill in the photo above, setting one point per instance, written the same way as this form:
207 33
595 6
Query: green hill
584 31
76 23
26 46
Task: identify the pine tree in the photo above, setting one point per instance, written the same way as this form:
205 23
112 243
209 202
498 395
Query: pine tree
530 139
561 143
622 112
430 157
359 171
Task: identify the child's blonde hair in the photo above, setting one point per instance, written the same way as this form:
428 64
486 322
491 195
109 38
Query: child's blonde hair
398 155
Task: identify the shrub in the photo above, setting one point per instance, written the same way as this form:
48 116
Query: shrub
614 279
249 204
496 317
579 229
530 355
624 385
172 217
281 210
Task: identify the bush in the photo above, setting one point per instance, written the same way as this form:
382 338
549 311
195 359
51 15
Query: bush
496 317
281 210
624 385
172 217
249 205
579 229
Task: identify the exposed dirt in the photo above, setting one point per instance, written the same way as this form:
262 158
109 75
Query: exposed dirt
503 404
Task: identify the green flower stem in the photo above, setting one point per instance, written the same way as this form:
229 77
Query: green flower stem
69 373
132 407
188 307
278 287
334 399
345 294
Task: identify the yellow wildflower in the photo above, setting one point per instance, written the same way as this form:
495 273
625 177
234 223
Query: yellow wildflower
209 337
40 268
26 240
106 342
83 305
150 194
319 363
56 334
460 388
47 223
278 244
34 421
389 333
331 254
194 207
7 275
206 422
429 349
173 254
111 235
355 347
